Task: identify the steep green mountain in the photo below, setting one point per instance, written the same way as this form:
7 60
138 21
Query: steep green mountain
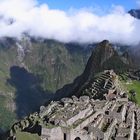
55 63
31 70
104 57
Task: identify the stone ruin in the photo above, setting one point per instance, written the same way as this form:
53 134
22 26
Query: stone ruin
112 117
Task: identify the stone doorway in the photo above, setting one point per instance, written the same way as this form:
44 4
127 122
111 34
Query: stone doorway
65 136
77 138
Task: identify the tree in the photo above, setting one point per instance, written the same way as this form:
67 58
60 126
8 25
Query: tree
133 95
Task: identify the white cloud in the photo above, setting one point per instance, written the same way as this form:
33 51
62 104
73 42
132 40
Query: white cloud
79 26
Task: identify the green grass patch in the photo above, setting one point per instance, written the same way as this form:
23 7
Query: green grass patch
135 85
27 136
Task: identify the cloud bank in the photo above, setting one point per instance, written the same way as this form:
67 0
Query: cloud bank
83 26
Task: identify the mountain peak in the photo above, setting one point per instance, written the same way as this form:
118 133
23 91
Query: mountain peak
101 53
135 13
104 43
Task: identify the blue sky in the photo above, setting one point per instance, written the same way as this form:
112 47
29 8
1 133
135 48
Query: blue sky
77 4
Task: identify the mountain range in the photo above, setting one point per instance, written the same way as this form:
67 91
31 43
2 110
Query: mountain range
33 69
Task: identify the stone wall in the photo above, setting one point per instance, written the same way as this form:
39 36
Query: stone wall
82 114
87 121
52 134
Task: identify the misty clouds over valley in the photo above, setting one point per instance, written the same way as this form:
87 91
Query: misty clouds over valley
82 26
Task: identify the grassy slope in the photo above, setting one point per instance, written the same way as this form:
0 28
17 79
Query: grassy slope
27 136
129 85
136 86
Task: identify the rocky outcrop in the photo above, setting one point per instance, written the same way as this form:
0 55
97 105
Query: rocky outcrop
103 57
